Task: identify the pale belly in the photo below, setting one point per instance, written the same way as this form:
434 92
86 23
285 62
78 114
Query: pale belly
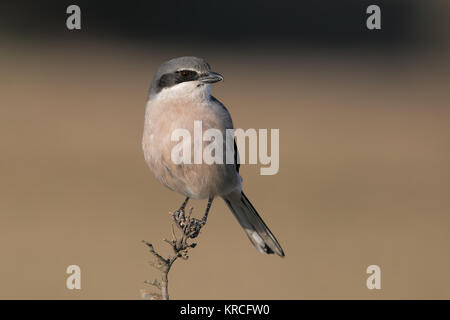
197 181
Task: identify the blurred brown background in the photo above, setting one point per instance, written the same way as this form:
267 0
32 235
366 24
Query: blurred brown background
364 166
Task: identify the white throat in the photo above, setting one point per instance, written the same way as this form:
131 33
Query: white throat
194 90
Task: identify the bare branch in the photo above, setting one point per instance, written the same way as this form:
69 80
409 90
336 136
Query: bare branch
189 228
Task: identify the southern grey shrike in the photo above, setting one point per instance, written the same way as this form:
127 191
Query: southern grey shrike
178 96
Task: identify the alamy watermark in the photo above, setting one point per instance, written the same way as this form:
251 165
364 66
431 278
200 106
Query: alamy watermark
73 281
374 280
220 149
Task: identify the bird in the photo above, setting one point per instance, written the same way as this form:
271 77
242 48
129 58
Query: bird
179 95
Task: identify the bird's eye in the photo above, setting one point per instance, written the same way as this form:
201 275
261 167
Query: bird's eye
185 73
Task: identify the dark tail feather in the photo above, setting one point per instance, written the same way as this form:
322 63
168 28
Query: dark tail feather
257 231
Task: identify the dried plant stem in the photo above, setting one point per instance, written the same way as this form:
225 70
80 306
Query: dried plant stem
189 228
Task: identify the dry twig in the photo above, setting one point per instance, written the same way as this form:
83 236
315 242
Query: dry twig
189 228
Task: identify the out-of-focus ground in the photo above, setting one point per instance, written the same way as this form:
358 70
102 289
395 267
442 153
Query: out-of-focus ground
364 175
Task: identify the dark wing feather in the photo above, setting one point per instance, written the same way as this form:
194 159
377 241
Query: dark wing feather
238 165
227 113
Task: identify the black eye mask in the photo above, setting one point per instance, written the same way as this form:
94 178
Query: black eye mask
170 79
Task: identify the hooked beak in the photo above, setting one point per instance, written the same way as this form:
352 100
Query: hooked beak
210 77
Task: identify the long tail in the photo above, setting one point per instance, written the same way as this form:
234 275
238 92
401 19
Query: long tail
257 231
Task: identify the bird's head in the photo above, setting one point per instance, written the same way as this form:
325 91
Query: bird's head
183 76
